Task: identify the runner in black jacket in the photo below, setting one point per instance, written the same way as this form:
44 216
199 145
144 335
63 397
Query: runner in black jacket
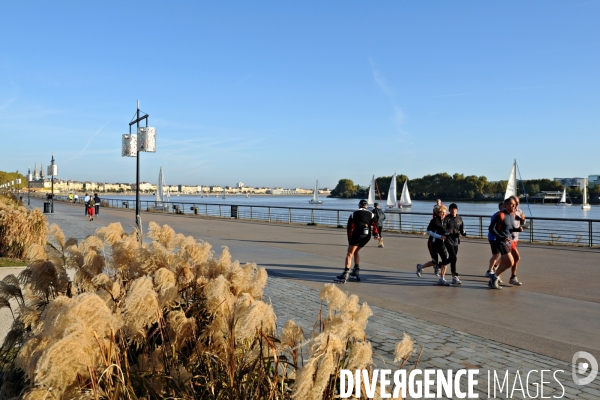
361 225
437 231
456 227
379 218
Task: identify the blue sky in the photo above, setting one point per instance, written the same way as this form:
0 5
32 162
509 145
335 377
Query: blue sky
282 93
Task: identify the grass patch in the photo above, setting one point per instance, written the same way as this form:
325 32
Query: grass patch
11 262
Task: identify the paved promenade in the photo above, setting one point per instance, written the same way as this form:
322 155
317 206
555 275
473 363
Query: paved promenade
537 326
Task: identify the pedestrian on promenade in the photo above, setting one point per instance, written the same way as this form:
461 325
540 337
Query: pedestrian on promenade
86 201
495 259
91 208
518 227
435 244
70 197
455 227
75 198
361 225
97 202
379 218
502 226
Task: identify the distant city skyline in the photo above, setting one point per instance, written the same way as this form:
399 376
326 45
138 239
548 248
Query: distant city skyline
281 94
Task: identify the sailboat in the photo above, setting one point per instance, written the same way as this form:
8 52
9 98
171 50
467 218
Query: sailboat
585 205
405 201
511 187
315 199
563 199
160 193
371 198
391 199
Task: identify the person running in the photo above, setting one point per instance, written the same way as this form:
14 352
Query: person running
70 197
455 227
379 218
495 259
502 226
435 244
86 201
97 202
438 203
518 227
361 225
90 208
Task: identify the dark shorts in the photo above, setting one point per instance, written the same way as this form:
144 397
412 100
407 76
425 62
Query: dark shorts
380 229
494 247
437 249
502 248
359 240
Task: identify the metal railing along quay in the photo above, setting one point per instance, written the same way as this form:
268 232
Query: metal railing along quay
557 231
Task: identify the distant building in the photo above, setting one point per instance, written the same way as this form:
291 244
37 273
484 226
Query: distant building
593 180
572 182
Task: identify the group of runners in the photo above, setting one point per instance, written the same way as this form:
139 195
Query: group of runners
444 231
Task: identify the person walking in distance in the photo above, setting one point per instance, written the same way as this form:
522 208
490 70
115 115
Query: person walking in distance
455 228
91 208
361 225
86 201
435 244
379 218
97 202
502 226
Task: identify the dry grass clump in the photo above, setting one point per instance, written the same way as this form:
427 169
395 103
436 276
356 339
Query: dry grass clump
19 228
163 319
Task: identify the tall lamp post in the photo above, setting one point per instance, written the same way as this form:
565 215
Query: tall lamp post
132 144
52 171
29 179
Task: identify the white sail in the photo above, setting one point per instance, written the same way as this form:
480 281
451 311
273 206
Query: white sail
371 199
511 187
391 199
585 204
405 196
315 199
563 198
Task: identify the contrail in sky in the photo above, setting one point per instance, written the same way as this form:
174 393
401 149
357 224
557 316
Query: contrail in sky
88 142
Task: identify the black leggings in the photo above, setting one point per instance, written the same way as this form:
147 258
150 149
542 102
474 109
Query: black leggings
452 257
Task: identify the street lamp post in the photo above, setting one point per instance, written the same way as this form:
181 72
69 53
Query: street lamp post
28 185
144 140
52 171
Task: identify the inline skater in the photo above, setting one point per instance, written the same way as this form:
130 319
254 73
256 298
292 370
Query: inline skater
495 259
455 227
435 244
361 225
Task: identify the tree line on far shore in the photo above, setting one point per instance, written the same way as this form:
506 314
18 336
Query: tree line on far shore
451 187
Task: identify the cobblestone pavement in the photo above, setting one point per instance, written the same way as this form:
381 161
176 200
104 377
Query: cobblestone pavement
442 347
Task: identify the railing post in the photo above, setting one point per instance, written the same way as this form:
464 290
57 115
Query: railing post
338 217
289 215
531 231
220 215
480 227
400 222
269 214
206 210
591 236
250 213
312 216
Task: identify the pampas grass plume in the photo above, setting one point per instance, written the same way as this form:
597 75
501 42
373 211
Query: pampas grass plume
404 348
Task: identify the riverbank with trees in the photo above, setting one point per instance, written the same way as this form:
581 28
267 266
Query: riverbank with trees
454 187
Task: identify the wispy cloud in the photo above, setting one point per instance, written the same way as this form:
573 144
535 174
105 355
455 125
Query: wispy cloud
88 143
384 85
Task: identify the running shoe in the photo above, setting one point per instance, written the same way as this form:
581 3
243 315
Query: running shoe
493 283
456 281
515 282
488 273
436 270
419 270
443 282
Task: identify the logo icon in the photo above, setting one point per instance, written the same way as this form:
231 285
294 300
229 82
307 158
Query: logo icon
581 367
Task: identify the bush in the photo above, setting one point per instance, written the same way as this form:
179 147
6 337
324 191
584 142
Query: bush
19 228
165 319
